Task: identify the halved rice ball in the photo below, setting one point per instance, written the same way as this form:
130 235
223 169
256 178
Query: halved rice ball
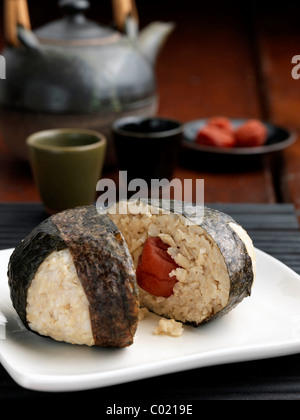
73 279
188 271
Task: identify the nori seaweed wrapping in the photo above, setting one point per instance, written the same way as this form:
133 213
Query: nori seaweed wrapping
26 259
105 269
103 264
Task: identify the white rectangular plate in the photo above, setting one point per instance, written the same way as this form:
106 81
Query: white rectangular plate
265 325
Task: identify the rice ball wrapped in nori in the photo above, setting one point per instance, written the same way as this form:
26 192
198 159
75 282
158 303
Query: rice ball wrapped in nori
188 270
73 279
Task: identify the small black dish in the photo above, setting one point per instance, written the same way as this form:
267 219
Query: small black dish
278 139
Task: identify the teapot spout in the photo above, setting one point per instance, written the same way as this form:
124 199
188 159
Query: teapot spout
153 37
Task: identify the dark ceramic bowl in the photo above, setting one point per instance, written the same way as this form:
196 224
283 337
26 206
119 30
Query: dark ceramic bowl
147 148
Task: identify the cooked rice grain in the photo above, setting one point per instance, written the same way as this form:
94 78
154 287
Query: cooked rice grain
203 281
56 302
169 327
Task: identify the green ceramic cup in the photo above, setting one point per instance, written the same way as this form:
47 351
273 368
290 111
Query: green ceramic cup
66 164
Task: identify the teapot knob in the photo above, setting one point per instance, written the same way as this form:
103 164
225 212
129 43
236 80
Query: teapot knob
74 6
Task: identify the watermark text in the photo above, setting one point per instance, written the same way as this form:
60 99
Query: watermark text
2 67
159 194
296 69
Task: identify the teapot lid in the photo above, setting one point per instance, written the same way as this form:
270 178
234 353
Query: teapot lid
74 28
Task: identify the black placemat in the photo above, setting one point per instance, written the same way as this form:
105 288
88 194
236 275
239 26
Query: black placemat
275 230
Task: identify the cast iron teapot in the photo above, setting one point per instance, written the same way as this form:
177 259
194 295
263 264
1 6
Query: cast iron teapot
74 72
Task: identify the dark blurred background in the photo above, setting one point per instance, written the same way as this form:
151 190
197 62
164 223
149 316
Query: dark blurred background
220 49
229 58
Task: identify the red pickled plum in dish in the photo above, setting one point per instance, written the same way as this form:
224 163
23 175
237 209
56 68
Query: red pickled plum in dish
221 122
154 268
211 135
219 132
251 134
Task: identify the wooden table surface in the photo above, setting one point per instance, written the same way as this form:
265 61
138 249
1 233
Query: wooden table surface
226 58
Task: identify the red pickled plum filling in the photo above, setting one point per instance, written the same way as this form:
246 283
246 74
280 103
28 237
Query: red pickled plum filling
154 268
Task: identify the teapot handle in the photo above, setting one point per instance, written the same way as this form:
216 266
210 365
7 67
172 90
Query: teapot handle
124 9
16 15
